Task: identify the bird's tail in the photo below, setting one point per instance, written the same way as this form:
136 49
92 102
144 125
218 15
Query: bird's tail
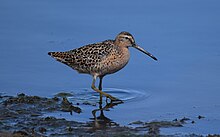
59 56
54 54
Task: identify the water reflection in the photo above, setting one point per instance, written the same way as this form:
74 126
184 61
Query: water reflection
101 121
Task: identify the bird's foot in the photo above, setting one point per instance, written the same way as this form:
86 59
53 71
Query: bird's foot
113 99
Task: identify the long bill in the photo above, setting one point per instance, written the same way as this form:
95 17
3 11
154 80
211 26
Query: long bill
144 51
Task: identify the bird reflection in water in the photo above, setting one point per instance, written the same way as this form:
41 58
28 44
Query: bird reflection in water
101 121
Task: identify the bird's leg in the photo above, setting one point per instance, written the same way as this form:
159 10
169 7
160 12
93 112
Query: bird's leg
100 83
101 92
100 88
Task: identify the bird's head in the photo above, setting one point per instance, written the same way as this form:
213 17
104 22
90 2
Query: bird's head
125 39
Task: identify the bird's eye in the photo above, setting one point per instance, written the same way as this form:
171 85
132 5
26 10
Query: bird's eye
126 37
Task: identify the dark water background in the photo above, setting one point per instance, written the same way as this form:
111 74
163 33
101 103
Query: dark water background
183 35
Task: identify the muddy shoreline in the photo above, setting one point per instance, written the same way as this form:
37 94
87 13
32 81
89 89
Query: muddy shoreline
23 115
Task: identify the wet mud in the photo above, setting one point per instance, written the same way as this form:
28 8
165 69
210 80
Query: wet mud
23 115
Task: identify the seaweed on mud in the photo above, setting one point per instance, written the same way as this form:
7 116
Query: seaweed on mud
68 106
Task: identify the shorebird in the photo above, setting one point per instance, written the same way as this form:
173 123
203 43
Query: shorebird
100 59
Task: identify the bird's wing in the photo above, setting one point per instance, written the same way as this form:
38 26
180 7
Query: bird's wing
90 54
86 56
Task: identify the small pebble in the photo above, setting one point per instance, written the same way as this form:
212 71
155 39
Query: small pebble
200 117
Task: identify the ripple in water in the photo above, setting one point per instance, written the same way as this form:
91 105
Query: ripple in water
127 95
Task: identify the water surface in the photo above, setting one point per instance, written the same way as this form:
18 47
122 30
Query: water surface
183 35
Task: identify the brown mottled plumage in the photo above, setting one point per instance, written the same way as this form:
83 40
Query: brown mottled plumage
100 59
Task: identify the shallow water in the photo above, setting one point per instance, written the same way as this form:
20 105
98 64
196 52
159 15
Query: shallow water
183 35
88 100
